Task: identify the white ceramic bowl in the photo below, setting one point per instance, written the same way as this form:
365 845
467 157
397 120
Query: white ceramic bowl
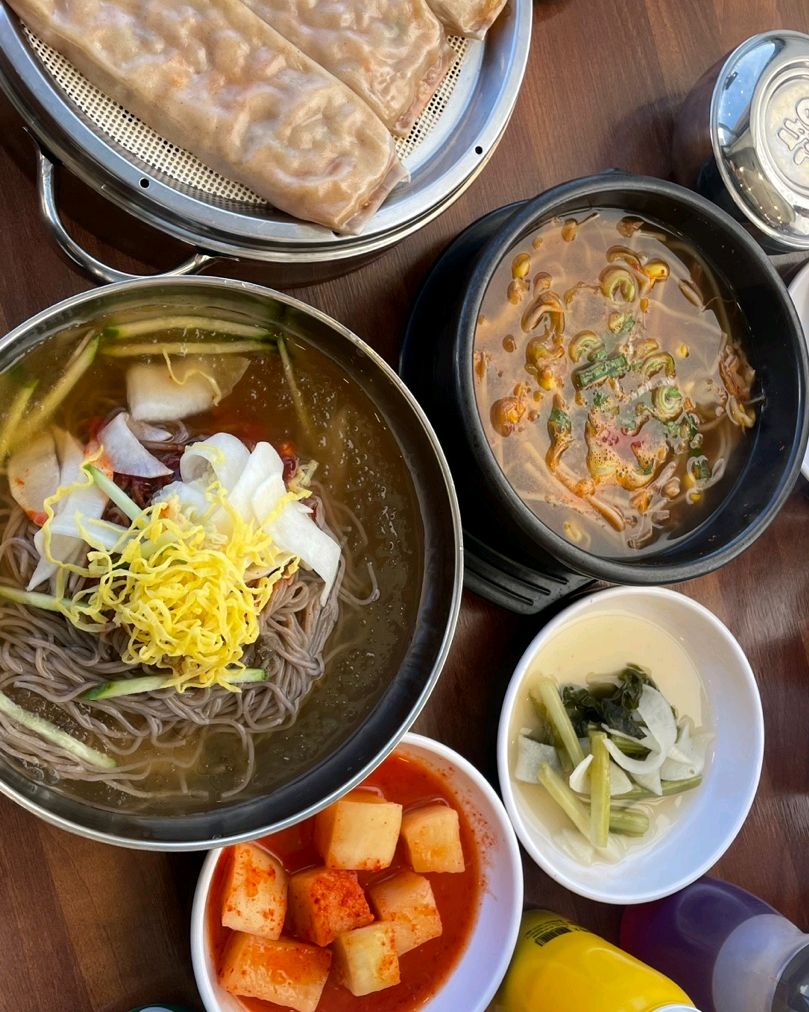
799 292
483 964
706 820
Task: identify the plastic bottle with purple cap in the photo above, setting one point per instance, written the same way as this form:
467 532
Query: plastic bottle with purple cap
729 950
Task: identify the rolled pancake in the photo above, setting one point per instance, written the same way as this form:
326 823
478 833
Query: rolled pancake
392 53
470 18
213 78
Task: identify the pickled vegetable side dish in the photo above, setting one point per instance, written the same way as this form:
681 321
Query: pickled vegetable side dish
366 906
611 380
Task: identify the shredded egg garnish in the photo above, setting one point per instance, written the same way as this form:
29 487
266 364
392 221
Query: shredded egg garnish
179 588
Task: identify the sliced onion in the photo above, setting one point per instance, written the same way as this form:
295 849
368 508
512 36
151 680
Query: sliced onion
637 767
125 454
579 779
655 712
530 756
650 782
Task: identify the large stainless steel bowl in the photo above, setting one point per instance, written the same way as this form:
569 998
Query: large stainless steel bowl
365 730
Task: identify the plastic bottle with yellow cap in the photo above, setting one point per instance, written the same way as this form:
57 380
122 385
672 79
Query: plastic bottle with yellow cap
559 967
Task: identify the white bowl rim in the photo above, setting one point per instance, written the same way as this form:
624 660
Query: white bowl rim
801 280
513 863
628 897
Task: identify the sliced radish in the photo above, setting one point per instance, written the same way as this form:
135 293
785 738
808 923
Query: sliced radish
530 756
126 454
193 384
34 475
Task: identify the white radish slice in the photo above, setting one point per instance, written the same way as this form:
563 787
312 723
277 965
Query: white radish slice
147 433
125 454
193 385
530 756
635 767
223 457
34 475
579 779
295 531
656 714
82 505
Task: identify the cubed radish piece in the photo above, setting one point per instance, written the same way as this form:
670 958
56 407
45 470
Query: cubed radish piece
359 832
323 902
254 898
365 960
406 901
432 839
288 973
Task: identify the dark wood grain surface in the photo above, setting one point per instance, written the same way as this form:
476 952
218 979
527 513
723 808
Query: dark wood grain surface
90 928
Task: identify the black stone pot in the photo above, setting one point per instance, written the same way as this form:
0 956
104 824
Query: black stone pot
512 557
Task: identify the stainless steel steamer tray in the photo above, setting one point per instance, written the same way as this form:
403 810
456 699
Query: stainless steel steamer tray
138 170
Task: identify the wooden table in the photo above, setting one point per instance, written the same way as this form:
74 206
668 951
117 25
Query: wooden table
91 928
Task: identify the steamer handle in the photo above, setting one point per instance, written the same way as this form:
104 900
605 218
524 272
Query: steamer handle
99 271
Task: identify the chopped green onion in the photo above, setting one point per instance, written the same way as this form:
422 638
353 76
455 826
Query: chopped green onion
55 735
126 505
667 402
652 364
584 344
605 368
45 602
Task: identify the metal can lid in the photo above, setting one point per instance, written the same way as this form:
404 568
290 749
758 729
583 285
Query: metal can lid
760 133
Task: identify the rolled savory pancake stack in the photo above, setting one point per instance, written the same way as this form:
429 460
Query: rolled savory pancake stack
213 78
392 53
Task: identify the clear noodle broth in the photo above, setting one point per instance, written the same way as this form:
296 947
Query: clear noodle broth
611 381
179 752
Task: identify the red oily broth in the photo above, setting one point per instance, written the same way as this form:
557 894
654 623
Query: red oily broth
424 969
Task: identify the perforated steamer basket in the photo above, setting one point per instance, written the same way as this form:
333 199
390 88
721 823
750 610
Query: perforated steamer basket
115 153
